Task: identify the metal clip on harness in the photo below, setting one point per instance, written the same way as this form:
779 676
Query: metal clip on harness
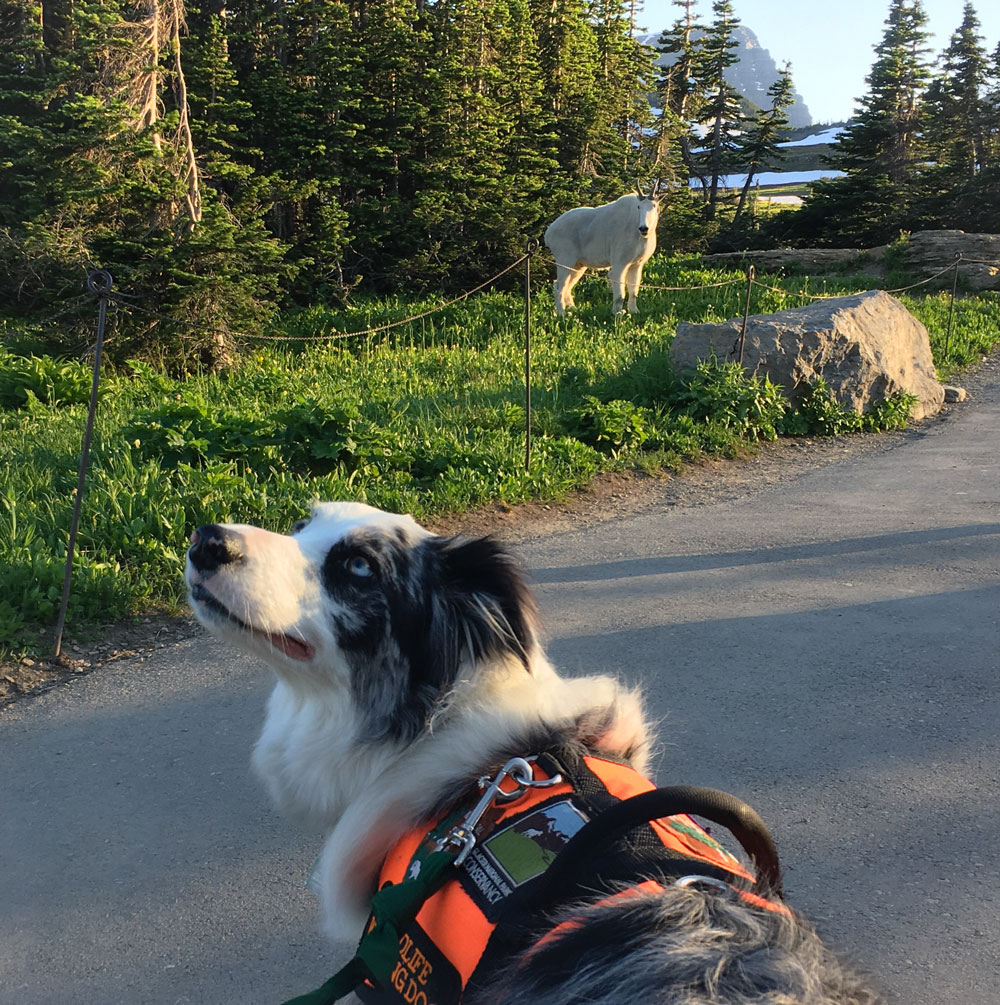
463 834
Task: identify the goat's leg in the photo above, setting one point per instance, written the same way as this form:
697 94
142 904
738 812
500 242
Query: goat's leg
561 289
633 279
574 277
617 280
557 294
566 279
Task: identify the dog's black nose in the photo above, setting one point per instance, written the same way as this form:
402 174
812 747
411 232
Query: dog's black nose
211 546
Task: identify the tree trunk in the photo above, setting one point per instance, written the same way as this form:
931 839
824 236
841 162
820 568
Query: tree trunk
192 197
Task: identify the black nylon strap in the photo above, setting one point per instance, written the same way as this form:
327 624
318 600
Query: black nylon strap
616 847
712 804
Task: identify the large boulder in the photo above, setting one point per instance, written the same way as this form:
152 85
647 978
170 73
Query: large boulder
928 254
867 347
933 252
800 259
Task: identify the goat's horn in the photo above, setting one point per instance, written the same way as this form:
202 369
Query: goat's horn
638 188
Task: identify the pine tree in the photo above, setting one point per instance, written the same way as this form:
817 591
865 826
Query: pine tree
458 186
992 111
298 67
568 57
116 182
883 150
722 110
58 147
759 145
957 119
681 95
531 153
885 137
625 73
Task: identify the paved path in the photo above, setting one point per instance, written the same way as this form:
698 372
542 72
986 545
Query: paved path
828 649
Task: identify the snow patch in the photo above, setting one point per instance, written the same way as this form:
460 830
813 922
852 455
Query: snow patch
772 178
826 136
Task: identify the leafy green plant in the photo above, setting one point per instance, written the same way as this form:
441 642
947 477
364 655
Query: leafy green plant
819 413
189 430
727 394
610 426
46 379
890 413
309 436
894 256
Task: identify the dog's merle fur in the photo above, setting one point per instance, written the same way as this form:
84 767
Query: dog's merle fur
409 665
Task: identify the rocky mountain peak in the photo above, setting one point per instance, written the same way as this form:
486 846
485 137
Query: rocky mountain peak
751 76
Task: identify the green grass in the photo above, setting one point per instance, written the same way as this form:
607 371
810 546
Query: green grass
801 189
426 419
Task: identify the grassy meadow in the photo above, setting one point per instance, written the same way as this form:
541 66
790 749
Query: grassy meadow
426 418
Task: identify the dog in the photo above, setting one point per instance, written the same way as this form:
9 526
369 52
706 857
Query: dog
409 666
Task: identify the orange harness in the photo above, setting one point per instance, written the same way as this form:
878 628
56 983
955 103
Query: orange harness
474 920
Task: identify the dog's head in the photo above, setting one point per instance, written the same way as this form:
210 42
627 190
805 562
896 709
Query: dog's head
366 603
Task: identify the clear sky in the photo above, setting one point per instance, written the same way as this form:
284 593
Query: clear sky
830 45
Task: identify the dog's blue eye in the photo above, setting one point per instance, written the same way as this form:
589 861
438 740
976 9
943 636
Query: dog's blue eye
357 565
299 525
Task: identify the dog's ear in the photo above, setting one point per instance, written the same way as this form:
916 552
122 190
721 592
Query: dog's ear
489 611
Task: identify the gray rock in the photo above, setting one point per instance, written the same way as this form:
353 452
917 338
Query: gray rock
952 394
867 347
806 259
928 252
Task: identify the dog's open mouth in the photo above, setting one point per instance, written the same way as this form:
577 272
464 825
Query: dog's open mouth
297 649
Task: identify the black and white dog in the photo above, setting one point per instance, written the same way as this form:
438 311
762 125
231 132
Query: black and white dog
408 666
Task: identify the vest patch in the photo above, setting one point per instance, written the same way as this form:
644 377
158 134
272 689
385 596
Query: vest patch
529 846
521 851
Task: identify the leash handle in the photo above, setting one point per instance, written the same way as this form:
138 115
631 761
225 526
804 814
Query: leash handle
741 820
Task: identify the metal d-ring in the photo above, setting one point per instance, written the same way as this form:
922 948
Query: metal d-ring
710 881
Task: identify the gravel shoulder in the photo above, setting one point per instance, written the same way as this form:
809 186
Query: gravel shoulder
609 497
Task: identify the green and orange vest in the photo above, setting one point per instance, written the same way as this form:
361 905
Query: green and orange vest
477 920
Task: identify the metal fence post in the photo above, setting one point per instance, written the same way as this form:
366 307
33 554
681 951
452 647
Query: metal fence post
951 309
530 248
99 283
746 313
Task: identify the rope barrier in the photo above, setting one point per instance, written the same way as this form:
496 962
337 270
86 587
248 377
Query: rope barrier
393 324
126 303
706 286
71 306
328 336
647 286
980 261
835 296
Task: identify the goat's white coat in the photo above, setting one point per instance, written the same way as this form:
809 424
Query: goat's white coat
603 237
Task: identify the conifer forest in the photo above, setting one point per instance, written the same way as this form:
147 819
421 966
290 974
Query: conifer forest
228 158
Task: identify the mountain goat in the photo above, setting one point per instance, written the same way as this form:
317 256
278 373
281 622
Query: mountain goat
619 236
